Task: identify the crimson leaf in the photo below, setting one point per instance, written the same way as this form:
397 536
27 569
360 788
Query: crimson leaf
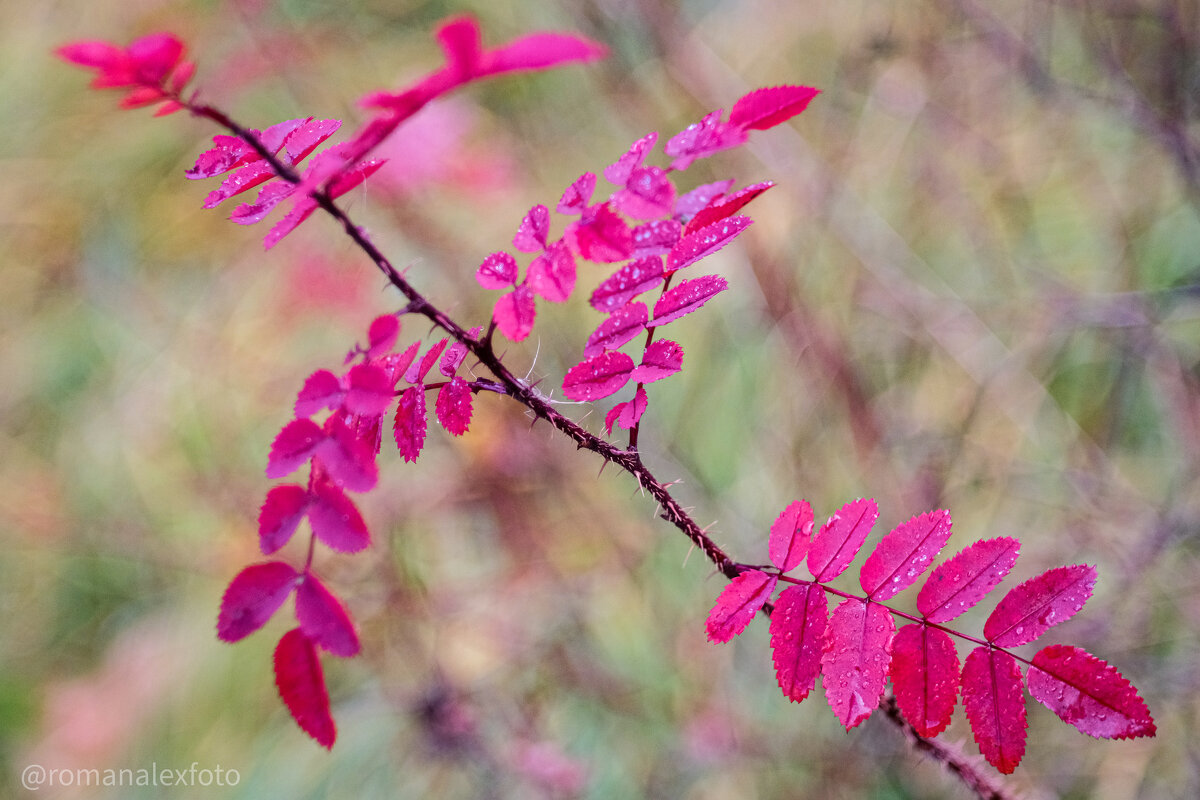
661 359
515 313
1036 605
904 554
703 242
925 677
738 603
598 376
621 326
552 275
958 583
600 235
349 460
656 238
839 539
453 406
726 206
994 699
855 662
294 445
685 298
790 535
280 515
382 335
699 140
410 423
369 391
690 203
253 596
324 619
1088 693
767 107
301 684
626 414
798 634
498 271
639 275
335 519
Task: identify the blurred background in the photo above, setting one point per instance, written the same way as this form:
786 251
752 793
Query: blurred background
974 287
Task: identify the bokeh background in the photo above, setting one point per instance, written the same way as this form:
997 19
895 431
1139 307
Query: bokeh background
975 287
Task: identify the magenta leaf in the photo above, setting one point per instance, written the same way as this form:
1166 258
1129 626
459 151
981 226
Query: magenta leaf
324 619
600 236
411 423
791 533
704 138
453 406
690 203
381 336
727 206
904 555
704 242
1089 693
335 519
416 374
648 194
253 597
738 603
453 357
685 298
578 195
294 445
840 539
798 626
539 51
280 515
925 677
656 238
552 275
301 684
322 390
397 364
308 136
994 699
369 390
661 359
639 275
531 233
498 271
269 196
1033 607
960 582
856 658
618 174
349 460
621 326
515 313
632 412
598 376
767 107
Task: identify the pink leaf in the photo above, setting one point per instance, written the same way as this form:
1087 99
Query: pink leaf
541 50
1030 609
925 677
453 406
350 461
324 619
855 662
648 194
639 275
766 108
230 152
904 555
685 298
618 174
994 699
301 211
397 364
246 178
704 242
453 357
301 684
723 207
552 275
798 632
632 411
531 234
790 535
578 195
280 515
294 445
416 374
600 235
461 42
738 603
321 390
1088 693
706 137
253 597
410 425
598 376
690 203
370 390
335 519
269 196
840 539
621 326
498 271
656 238
661 359
308 136
515 313
957 584
381 336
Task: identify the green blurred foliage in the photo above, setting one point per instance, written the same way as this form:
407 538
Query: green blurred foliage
974 287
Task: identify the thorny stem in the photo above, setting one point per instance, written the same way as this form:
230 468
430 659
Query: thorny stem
629 460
